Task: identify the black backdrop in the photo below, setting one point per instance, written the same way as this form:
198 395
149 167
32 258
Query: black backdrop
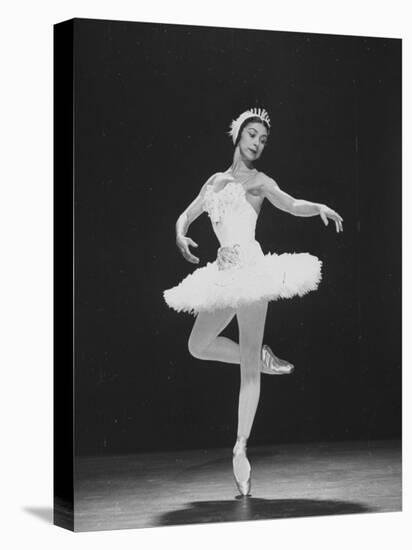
152 111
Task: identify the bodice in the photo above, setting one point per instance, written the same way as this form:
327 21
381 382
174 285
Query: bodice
233 217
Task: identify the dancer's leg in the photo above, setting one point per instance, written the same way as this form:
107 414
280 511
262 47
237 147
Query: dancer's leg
204 342
251 321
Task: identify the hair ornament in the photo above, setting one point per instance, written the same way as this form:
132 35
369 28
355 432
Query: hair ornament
236 124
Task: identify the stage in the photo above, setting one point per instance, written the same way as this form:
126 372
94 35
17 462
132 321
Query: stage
187 487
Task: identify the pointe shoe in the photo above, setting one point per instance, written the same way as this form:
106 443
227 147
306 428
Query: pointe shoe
241 467
274 365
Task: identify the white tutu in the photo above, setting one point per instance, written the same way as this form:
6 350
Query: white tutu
241 274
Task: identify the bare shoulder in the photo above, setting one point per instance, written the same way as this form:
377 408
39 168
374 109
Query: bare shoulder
211 181
265 181
195 208
215 178
261 185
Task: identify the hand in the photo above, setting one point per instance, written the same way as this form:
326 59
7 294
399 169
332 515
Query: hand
325 212
183 244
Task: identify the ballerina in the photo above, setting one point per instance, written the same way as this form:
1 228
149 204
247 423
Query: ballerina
242 279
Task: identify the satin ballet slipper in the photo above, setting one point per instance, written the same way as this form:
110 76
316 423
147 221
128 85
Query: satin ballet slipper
274 365
241 467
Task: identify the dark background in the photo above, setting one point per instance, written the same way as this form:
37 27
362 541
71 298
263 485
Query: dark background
152 110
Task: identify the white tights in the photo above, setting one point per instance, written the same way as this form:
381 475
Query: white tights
205 343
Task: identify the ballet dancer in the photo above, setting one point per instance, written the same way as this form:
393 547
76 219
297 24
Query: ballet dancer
242 279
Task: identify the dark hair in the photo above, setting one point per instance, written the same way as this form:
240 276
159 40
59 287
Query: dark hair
248 121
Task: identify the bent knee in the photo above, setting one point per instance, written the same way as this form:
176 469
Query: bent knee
195 348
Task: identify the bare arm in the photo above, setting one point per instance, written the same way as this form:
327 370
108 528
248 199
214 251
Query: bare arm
298 207
191 213
188 216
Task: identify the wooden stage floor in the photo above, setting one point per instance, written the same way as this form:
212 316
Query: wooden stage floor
186 487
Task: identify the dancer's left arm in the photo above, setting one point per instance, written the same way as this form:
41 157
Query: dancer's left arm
297 207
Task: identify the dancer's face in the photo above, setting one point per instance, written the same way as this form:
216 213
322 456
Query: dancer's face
253 141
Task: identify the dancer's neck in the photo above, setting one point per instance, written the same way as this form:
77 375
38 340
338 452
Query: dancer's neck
240 166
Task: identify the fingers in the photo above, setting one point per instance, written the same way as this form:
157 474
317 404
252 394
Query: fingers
339 226
191 242
329 213
338 222
189 256
183 245
324 218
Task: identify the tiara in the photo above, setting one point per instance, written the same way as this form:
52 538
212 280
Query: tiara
236 124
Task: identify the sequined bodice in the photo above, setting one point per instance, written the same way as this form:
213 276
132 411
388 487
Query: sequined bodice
233 217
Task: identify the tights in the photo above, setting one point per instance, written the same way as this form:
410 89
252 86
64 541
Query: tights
205 343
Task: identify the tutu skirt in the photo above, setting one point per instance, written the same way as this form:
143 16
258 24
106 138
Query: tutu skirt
242 275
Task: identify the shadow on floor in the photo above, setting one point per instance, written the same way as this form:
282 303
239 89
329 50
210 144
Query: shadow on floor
249 508
45 514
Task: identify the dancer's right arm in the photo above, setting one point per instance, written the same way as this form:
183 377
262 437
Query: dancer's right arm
189 215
